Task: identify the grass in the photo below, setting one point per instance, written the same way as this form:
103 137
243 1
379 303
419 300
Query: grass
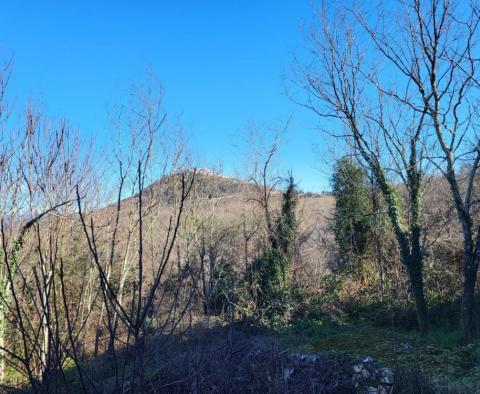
454 368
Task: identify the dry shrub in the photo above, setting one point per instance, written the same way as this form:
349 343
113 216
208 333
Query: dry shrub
221 360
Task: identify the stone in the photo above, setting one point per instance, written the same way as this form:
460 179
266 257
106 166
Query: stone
357 368
368 360
385 375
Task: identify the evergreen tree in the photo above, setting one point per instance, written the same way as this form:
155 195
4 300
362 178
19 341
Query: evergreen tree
352 208
269 276
286 229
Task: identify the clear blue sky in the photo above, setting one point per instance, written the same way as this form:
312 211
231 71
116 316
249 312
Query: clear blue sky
220 62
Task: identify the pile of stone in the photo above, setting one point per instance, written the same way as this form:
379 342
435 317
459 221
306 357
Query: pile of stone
364 375
369 378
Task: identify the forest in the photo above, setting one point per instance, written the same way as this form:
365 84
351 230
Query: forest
126 268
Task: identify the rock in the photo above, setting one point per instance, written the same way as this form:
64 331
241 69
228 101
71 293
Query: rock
385 375
366 375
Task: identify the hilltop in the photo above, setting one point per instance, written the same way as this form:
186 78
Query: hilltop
211 185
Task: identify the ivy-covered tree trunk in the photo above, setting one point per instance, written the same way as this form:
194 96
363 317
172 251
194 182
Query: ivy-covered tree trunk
408 234
471 260
416 259
377 238
415 273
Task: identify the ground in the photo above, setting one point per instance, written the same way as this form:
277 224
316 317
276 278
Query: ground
455 368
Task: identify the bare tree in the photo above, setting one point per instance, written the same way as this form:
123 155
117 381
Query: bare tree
133 309
344 88
44 166
264 144
434 52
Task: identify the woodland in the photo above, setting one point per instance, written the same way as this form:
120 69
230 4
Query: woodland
127 269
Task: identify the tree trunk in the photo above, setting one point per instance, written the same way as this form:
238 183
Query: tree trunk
416 285
467 321
408 240
5 292
2 344
378 254
378 242
99 332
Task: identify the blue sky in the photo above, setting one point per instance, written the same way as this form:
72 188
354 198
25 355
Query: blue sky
220 62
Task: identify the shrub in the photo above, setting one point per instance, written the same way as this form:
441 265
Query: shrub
222 287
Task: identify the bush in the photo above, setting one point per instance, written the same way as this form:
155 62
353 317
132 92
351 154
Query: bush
222 288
